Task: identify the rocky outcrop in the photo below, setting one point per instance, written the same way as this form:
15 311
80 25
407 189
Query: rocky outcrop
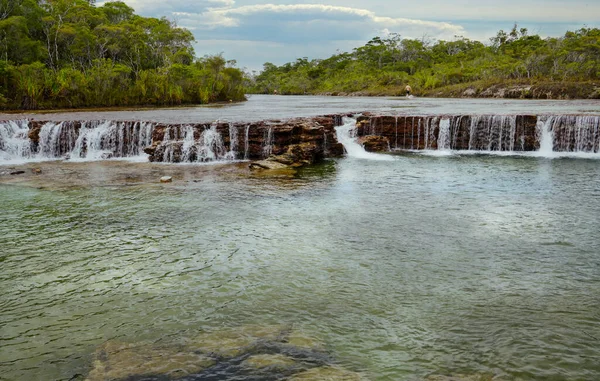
456 132
298 141
375 143
294 142
518 90
291 142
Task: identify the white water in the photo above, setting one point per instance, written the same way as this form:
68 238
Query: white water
545 136
14 142
444 135
233 142
210 145
88 141
268 142
346 134
556 136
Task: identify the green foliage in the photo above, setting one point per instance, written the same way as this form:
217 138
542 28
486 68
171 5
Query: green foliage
70 53
386 65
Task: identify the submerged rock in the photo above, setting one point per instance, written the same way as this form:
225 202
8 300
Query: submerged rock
268 164
464 377
327 373
300 340
249 353
116 360
233 342
268 361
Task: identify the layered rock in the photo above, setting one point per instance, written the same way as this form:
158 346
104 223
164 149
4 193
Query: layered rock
458 132
292 142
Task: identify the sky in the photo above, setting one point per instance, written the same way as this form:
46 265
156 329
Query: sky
253 32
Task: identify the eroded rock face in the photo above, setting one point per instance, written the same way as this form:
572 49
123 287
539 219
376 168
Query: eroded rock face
456 132
292 142
374 143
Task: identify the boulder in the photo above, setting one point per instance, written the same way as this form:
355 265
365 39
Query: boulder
375 143
268 164
166 179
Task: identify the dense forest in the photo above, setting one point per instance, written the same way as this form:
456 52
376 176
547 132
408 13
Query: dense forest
72 53
567 65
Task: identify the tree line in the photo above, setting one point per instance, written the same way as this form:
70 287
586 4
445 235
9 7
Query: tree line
72 53
386 64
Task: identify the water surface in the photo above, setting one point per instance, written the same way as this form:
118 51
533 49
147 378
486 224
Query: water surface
263 107
404 268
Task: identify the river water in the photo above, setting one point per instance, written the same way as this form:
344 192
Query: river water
403 266
262 107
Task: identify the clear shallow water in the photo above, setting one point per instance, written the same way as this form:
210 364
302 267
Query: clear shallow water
262 107
420 265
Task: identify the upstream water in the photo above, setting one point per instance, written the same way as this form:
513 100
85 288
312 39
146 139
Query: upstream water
404 266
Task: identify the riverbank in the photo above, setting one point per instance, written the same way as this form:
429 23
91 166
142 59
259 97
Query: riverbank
487 89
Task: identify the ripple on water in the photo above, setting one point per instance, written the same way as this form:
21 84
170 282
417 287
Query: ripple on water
421 266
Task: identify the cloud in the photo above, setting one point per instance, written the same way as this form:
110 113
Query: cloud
158 8
572 11
309 22
256 31
254 34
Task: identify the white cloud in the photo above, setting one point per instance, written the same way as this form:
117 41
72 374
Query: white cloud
256 31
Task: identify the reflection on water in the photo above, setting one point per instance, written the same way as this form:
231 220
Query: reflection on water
405 268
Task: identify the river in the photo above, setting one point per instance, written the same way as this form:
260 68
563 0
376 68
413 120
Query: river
402 265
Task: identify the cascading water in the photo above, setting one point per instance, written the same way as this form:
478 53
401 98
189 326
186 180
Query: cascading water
233 142
208 147
247 142
75 140
346 135
559 135
268 142
14 142
211 145
545 136
443 142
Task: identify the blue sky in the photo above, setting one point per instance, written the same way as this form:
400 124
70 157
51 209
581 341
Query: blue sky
254 32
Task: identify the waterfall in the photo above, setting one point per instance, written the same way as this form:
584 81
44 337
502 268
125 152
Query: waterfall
268 142
346 134
443 142
76 140
188 149
14 142
210 145
96 141
233 142
545 136
396 132
56 139
169 153
247 143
